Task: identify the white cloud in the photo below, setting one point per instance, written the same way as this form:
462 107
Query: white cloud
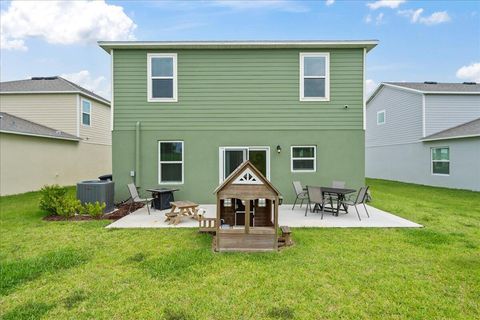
281 5
83 78
329 2
392 4
378 19
66 22
435 18
470 72
370 86
415 16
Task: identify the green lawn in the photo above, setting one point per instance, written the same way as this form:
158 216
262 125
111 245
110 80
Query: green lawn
79 270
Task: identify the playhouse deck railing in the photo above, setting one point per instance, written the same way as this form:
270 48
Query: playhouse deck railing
207 224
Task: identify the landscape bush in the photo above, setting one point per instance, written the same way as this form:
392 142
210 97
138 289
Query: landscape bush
51 196
95 209
55 200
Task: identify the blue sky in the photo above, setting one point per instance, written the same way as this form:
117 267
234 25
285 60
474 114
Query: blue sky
419 40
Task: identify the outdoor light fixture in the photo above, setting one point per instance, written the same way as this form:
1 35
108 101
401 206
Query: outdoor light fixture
279 149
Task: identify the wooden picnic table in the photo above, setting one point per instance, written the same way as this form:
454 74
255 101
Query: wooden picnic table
185 208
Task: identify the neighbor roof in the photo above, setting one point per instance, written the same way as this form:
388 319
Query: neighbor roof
367 44
47 85
16 125
430 87
468 129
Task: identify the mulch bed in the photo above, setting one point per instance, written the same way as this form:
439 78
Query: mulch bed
120 212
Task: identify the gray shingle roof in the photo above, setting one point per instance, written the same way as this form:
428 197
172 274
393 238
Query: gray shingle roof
438 87
468 129
46 84
13 124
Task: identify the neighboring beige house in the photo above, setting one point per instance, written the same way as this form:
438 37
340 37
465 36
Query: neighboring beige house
51 131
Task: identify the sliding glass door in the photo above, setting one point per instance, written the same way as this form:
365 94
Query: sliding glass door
232 157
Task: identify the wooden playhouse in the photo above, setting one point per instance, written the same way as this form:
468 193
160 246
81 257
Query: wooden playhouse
247 212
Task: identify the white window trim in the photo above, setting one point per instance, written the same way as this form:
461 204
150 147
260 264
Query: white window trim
327 75
221 155
160 163
384 117
89 113
150 78
314 158
431 161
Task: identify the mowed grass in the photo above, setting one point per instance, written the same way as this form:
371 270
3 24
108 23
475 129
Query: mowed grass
80 270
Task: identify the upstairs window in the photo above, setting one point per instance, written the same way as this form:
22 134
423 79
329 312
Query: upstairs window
314 77
381 117
303 159
441 161
162 77
86 112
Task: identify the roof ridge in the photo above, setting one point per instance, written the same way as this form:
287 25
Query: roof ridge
38 124
457 126
82 89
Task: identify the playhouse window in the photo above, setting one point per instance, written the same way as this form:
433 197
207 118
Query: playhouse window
170 170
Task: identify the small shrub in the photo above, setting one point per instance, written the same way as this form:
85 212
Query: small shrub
68 207
50 197
94 209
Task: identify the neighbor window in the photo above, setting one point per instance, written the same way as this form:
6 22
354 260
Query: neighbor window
162 77
381 117
303 158
170 170
441 160
314 77
86 112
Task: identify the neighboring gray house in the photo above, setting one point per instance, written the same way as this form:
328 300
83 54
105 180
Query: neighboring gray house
425 133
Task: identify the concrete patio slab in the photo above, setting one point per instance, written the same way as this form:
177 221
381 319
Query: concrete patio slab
286 217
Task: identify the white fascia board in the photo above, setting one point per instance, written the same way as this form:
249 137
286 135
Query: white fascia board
105 102
39 135
108 45
455 137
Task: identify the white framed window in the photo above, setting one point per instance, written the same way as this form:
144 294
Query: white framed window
170 162
314 76
86 113
381 117
162 77
303 158
441 161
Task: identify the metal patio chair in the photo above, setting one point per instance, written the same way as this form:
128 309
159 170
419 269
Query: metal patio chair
300 193
136 198
315 196
336 184
360 199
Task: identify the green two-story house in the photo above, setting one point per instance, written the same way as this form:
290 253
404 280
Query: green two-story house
186 114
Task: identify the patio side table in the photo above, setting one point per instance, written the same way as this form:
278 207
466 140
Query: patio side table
162 198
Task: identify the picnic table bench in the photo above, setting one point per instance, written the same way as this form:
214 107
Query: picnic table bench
181 209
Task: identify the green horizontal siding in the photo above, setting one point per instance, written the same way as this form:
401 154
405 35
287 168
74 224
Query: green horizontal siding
238 89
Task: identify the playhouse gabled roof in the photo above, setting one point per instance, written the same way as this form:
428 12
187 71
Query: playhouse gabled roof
244 167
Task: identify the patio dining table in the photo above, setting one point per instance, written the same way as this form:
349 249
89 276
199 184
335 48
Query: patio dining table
340 193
